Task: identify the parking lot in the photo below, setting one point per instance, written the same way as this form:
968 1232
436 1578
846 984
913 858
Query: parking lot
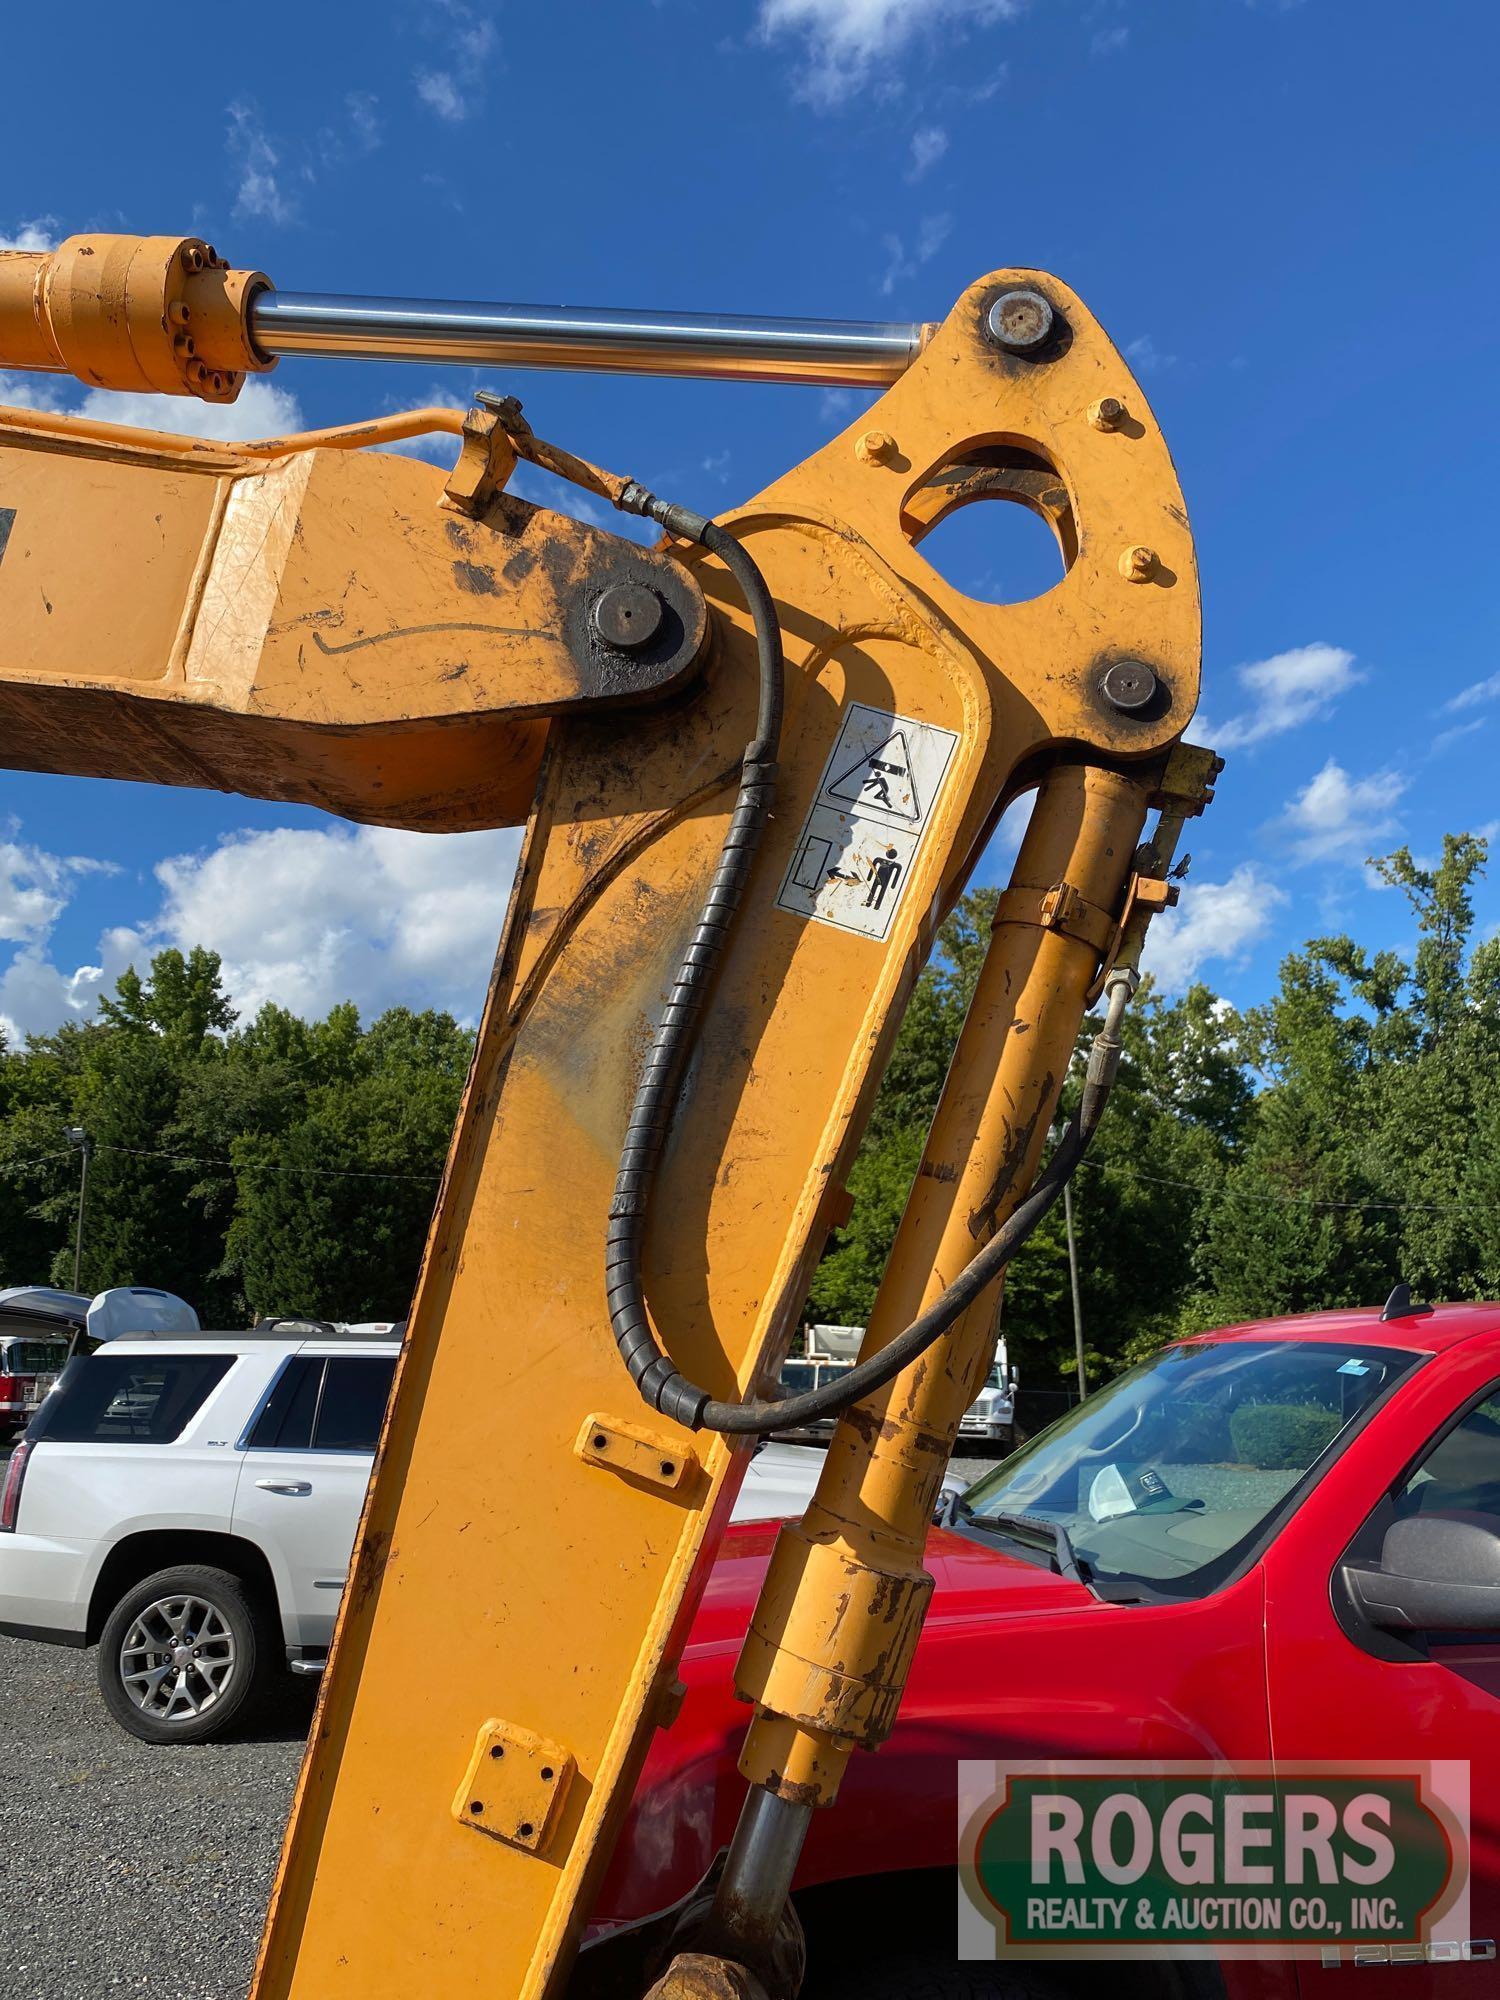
126 1868
131 1869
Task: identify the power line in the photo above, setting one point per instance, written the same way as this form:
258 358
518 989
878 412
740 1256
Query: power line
40 1160
257 1167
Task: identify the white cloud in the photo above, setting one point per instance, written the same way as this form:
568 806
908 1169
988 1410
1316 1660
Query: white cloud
1335 816
36 995
363 109
260 195
1474 695
1215 920
261 410
847 44
1289 689
308 917
34 888
454 89
932 234
437 90
1109 41
928 145
304 917
38 234
1446 738
1147 358
361 133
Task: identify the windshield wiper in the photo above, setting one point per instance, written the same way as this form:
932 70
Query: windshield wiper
1028 1527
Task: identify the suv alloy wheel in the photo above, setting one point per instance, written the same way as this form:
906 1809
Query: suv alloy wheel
182 1654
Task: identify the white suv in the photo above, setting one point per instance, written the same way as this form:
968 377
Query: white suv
190 1501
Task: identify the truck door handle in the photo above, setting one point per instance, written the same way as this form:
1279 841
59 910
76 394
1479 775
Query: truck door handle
284 1485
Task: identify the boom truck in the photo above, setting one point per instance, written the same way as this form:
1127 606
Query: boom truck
756 764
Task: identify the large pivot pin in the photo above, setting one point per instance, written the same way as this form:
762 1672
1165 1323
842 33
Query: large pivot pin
627 615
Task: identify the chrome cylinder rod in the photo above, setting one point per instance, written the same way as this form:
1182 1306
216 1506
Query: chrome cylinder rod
831 352
757 1876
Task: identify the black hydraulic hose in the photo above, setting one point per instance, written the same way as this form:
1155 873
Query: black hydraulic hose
655 1376
833 1398
654 1373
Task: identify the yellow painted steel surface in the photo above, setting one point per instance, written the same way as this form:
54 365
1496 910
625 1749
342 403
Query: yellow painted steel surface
309 626
506 1579
557 1590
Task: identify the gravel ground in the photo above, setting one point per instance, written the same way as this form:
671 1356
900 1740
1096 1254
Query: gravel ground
124 1868
131 1869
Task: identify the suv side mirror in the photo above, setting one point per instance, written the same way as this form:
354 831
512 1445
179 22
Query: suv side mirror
1438 1573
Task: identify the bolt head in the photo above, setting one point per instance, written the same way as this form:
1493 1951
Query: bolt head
1107 414
626 616
1128 686
1137 563
875 448
1021 322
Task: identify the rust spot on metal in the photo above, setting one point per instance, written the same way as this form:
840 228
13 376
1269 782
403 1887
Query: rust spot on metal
864 1421
985 1217
369 1566
938 1170
794 1794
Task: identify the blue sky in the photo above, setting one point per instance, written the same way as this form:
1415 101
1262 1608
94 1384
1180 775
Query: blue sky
1283 213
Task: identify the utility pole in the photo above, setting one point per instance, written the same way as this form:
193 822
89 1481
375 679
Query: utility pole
1083 1380
77 1136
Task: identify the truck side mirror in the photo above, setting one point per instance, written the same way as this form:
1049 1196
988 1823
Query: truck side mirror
1438 1573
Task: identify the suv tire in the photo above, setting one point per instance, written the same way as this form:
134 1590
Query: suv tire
183 1654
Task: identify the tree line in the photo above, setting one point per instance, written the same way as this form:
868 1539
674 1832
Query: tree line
1302 1154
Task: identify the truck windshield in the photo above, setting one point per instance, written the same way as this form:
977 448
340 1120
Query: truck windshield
1167 1475
33 1357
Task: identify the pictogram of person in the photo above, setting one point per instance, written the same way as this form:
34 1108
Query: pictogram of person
885 872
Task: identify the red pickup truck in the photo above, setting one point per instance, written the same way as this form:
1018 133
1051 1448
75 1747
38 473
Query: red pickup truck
1279 1541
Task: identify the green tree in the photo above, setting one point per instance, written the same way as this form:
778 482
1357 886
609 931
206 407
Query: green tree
357 1164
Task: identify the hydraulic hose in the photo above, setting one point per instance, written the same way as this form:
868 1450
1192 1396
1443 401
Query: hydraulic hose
654 1373
833 1398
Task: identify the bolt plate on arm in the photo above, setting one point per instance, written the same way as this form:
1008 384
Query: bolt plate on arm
514 1787
623 1446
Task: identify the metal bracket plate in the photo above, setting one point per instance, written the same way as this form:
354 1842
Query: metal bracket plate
621 1446
515 1786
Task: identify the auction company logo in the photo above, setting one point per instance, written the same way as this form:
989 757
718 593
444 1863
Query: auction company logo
1210 1860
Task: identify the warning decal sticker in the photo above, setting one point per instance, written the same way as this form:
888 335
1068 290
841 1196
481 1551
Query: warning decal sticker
855 852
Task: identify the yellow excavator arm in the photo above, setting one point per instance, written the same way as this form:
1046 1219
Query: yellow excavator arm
756 765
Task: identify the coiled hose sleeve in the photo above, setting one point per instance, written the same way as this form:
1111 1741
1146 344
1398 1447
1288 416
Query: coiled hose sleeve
653 1372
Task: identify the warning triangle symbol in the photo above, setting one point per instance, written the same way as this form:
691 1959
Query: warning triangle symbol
881 781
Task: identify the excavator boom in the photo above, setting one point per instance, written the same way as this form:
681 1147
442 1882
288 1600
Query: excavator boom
313 619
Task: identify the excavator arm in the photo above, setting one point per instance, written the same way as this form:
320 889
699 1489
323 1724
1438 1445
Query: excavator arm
311 619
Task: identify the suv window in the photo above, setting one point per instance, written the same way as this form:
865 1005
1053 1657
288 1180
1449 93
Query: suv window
285 1424
1461 1473
129 1398
325 1404
355 1392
